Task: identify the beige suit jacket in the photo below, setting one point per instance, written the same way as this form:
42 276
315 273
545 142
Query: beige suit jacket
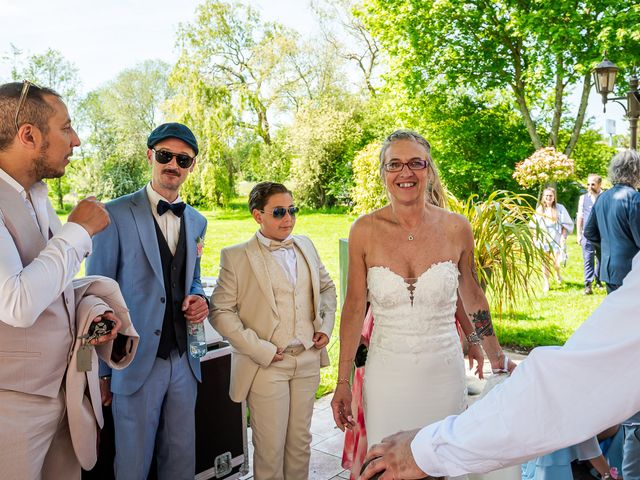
94 296
244 308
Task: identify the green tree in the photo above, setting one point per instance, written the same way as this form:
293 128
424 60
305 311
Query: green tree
591 155
475 142
208 110
536 50
119 118
229 47
368 192
323 140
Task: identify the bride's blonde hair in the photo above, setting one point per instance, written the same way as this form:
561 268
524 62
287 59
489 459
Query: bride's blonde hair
434 193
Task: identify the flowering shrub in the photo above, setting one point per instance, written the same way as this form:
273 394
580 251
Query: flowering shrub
545 165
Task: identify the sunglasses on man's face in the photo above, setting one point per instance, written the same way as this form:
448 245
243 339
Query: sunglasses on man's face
164 156
280 212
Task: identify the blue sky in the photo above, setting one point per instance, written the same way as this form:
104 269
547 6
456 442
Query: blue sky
104 37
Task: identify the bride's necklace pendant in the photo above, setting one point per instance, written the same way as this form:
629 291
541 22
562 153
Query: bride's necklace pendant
410 237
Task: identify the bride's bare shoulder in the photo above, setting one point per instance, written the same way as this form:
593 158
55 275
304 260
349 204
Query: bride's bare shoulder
370 221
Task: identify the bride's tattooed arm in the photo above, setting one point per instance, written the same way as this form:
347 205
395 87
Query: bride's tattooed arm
482 323
481 318
476 305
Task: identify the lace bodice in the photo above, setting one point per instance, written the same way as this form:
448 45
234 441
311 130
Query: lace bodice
414 316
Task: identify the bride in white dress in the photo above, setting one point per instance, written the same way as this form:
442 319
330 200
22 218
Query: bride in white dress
413 260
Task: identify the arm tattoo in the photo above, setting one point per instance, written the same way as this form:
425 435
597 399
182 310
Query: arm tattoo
482 323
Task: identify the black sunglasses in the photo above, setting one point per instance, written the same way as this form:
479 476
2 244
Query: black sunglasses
164 156
280 212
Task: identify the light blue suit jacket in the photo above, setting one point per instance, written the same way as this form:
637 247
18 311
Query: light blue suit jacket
127 251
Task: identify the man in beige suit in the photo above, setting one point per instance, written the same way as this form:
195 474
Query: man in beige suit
275 303
38 260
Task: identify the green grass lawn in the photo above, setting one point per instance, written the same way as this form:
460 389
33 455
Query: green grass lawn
549 319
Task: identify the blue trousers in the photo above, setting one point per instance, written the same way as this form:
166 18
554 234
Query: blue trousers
631 453
160 416
591 263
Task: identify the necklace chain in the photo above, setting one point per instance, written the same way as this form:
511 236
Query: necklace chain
410 235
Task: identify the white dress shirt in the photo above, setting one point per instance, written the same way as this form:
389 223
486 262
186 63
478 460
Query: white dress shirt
169 224
285 257
558 396
25 292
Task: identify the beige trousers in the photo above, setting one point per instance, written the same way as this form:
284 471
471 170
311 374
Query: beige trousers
35 443
281 405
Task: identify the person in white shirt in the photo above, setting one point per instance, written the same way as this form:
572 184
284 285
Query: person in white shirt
38 261
585 205
275 303
558 396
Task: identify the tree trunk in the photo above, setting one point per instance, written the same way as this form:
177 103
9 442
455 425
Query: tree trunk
526 116
584 98
557 109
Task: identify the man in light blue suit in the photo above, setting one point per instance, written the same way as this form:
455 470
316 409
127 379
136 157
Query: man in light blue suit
152 249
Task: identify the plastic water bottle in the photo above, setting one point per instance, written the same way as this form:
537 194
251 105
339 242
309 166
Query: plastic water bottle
197 341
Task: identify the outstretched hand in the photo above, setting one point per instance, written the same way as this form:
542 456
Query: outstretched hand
393 457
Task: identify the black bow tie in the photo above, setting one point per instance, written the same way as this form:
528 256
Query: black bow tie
176 208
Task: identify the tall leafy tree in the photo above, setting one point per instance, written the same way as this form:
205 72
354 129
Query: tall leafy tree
536 49
118 119
229 47
346 34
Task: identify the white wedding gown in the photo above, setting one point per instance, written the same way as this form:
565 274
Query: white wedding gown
415 371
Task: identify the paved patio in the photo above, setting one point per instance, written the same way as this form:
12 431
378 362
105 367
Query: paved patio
326 446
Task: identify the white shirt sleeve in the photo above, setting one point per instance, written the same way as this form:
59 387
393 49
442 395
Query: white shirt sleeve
25 292
558 396
580 207
564 218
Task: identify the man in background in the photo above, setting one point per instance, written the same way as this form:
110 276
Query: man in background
585 205
614 223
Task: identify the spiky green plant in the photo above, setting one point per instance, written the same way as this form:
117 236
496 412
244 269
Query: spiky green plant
507 257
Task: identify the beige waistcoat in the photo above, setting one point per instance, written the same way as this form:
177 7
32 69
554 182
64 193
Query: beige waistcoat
34 359
294 304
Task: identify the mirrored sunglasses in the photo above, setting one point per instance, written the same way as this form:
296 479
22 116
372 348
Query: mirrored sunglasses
280 212
164 156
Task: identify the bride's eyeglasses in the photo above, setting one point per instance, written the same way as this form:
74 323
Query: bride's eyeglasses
397 166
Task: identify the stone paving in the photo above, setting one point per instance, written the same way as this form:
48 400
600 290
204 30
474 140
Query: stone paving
326 445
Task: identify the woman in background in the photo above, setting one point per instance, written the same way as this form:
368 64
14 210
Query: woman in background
555 223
